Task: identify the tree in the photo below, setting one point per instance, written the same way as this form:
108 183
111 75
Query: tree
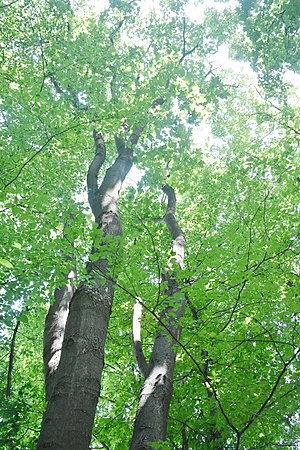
156 394
226 140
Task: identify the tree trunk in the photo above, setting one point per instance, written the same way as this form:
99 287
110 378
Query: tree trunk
54 331
156 394
72 399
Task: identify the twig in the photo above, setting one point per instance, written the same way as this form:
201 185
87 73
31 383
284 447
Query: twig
156 257
39 151
235 306
177 341
272 392
96 268
11 360
8 4
186 52
44 64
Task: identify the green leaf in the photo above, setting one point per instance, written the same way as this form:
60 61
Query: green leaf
6 263
23 318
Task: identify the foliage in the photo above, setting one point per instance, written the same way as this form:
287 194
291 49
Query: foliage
226 138
272 38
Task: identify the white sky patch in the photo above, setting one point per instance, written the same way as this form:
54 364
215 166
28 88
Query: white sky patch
149 5
203 139
90 6
294 79
100 5
222 60
194 9
133 177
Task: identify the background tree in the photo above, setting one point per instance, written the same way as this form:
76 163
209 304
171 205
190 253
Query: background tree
226 138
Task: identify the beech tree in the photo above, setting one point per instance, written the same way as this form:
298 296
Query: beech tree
149 217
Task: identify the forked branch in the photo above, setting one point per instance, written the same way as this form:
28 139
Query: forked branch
186 52
96 164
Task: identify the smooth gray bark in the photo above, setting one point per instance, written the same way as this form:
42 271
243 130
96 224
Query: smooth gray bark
54 330
156 394
72 401
55 324
136 339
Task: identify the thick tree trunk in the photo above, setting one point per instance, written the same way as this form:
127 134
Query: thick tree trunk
54 331
74 392
156 394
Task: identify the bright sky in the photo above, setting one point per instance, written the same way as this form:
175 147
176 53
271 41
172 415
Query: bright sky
194 10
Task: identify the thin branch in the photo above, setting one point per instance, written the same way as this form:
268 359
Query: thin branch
156 257
11 360
183 422
194 311
253 339
189 52
235 306
121 411
272 392
44 64
177 341
278 109
115 31
266 330
55 83
8 4
70 93
136 133
291 128
96 268
186 52
268 258
39 151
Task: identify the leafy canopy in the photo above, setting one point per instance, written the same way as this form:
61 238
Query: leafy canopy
227 140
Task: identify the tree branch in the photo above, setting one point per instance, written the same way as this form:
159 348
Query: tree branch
39 151
272 392
178 238
186 52
185 443
115 31
96 164
235 306
11 360
96 267
136 339
8 4
135 135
